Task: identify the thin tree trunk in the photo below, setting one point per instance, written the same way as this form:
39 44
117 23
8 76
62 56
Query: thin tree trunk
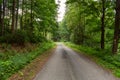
3 15
116 29
103 25
25 20
17 14
1 18
13 16
9 14
21 20
31 14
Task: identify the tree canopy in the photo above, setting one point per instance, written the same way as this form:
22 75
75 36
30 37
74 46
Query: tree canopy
34 19
92 22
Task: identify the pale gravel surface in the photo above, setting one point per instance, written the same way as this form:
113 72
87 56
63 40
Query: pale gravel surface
65 64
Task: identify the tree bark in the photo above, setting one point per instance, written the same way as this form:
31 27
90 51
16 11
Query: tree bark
13 16
1 18
16 24
116 28
103 25
2 14
31 14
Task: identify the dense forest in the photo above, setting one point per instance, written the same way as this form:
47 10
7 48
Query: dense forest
27 20
87 22
92 26
26 30
93 23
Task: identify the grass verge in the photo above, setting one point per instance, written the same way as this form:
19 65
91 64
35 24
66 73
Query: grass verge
101 57
19 61
30 71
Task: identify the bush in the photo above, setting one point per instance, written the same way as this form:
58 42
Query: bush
36 39
20 37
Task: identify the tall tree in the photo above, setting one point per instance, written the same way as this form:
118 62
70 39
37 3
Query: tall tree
116 28
13 15
1 18
21 18
31 15
103 25
17 11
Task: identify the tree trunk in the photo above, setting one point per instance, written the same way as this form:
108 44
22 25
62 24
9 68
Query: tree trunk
1 18
9 14
13 16
103 25
116 29
21 19
31 15
16 24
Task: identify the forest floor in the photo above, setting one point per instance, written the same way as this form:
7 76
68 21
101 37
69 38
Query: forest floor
30 71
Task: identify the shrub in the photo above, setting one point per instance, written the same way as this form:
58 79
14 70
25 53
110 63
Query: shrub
20 37
35 39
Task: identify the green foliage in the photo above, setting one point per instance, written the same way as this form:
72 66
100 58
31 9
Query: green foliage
19 37
18 61
35 20
62 32
108 61
35 23
83 22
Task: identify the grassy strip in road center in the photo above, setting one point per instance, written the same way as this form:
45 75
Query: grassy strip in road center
102 57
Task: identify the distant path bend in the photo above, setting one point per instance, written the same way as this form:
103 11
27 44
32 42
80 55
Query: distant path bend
65 64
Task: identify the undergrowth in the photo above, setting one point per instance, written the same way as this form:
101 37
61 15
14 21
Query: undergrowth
18 61
102 57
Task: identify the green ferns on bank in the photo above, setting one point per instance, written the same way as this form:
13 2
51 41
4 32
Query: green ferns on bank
102 57
17 62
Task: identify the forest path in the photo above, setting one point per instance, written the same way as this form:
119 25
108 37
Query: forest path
66 64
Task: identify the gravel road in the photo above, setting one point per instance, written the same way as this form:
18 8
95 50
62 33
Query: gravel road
65 64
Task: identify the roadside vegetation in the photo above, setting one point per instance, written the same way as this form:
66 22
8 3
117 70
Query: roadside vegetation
26 31
13 61
108 61
30 71
27 28
92 27
92 23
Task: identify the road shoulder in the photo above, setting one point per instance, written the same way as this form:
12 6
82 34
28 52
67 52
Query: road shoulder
32 69
93 60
